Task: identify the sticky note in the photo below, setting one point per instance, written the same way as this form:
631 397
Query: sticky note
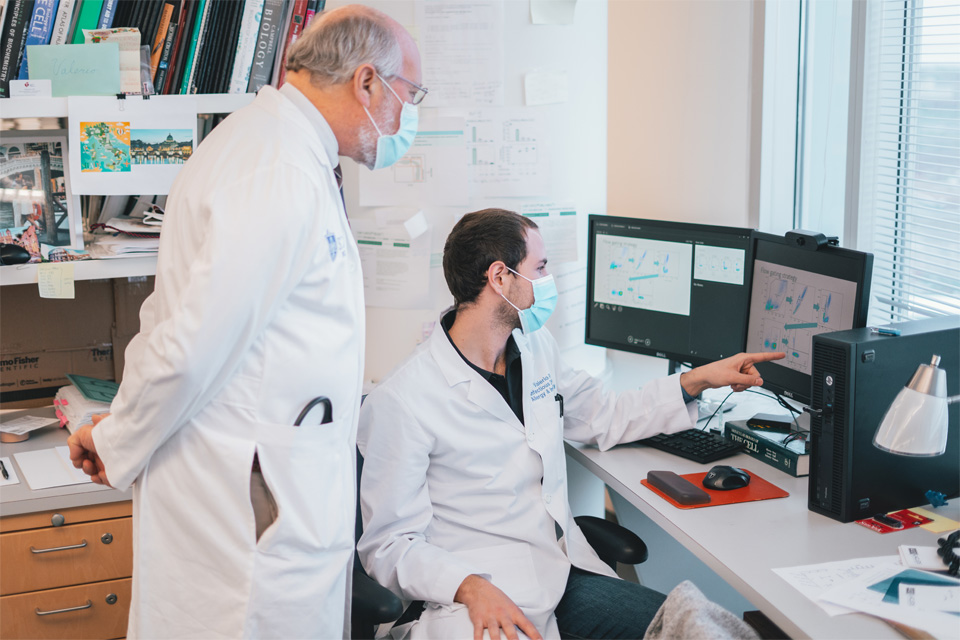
545 88
940 523
417 225
55 280
77 69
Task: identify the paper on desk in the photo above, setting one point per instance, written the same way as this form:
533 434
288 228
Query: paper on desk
930 598
14 478
49 468
20 426
874 592
925 558
815 579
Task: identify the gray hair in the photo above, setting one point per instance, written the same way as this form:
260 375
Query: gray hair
334 46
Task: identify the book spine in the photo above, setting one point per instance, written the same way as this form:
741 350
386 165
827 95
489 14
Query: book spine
175 77
266 49
14 34
157 49
61 23
88 19
296 27
195 48
41 26
246 44
775 455
106 14
163 66
311 11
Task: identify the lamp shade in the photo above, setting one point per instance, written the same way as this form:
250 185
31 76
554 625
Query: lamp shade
916 422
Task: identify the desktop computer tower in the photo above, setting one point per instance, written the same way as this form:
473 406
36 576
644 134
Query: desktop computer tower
858 374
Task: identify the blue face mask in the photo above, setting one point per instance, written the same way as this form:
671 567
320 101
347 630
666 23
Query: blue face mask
544 302
391 148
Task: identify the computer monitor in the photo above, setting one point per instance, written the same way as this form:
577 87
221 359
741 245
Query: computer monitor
798 292
668 289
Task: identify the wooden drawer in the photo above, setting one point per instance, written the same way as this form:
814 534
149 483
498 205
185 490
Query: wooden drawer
26 570
69 515
19 617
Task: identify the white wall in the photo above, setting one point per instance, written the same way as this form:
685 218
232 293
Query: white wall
684 109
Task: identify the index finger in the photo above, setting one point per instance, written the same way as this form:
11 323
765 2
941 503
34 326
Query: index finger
764 356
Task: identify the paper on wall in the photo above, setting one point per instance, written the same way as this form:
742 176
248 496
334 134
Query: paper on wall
558 227
461 45
133 145
568 322
433 171
545 88
552 11
506 153
396 267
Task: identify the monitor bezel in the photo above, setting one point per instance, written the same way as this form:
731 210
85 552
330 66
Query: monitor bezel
776 377
691 227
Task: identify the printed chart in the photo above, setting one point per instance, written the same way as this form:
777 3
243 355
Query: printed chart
789 306
644 274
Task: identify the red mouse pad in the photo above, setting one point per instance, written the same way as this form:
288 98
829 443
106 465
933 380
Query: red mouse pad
758 489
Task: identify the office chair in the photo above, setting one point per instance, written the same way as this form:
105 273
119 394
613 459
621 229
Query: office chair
374 605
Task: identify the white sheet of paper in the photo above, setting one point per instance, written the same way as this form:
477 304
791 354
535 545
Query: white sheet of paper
506 153
47 468
14 478
36 88
930 598
857 595
107 135
558 227
549 87
433 171
568 321
25 424
396 268
461 45
925 558
813 580
552 11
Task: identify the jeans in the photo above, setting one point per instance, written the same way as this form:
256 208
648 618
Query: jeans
595 606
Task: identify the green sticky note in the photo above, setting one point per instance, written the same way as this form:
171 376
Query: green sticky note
94 388
77 69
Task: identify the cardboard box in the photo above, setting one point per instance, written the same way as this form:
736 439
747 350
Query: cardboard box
129 295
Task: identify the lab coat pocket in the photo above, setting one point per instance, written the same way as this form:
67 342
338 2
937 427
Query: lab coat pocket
511 569
309 470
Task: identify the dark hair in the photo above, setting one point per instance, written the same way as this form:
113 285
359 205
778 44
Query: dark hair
478 240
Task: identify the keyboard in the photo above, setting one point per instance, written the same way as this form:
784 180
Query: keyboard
695 445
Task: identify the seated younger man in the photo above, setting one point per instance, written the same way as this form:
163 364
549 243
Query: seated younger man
464 488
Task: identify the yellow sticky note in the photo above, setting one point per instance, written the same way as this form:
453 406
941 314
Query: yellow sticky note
56 280
940 523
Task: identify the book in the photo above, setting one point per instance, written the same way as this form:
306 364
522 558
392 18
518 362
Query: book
246 45
768 448
160 36
282 29
266 46
61 22
89 18
228 51
13 37
107 14
38 31
296 28
166 53
311 11
190 71
180 47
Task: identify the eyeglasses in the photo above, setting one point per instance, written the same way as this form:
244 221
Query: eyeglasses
419 95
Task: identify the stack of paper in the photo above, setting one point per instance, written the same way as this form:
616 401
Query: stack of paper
75 410
123 246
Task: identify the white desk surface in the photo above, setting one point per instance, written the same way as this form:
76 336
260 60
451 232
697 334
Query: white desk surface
17 499
743 542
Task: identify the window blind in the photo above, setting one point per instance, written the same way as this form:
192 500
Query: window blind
910 158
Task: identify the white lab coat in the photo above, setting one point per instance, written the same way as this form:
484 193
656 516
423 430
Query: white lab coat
258 308
454 484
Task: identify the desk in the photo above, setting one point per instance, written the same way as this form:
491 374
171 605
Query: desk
743 542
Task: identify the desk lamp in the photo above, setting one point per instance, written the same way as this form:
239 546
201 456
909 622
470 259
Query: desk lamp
916 422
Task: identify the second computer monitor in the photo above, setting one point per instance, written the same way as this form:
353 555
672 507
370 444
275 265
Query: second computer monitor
668 289
799 292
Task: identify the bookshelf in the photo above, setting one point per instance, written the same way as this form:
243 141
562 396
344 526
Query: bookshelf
57 107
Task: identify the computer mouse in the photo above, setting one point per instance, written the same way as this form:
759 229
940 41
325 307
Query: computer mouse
13 254
724 477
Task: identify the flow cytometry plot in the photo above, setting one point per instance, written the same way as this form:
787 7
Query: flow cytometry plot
410 169
104 147
643 274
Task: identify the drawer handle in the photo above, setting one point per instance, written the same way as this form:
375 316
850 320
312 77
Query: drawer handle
82 544
50 613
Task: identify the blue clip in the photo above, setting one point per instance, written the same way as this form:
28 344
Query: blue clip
936 498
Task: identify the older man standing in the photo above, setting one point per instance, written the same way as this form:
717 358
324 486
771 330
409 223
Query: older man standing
243 522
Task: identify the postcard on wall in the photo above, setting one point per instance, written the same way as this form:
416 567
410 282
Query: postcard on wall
37 202
77 69
131 145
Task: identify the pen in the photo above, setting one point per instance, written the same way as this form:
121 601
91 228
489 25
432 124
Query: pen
3 470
